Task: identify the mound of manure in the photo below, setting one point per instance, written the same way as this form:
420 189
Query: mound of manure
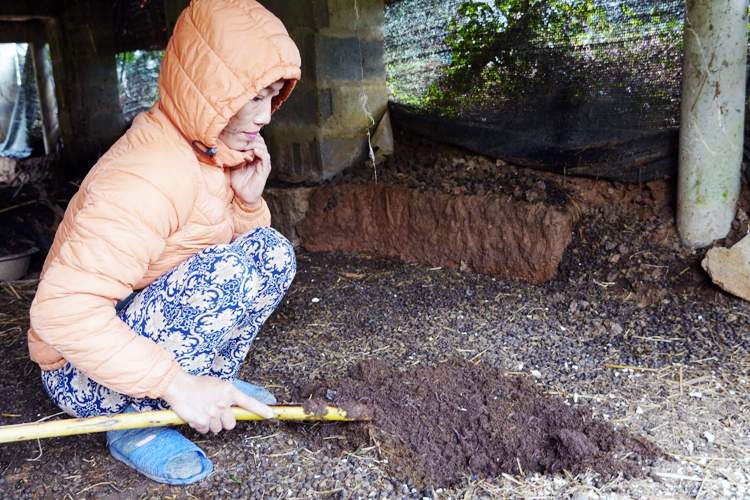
438 425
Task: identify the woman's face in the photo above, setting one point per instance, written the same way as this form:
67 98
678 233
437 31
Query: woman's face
244 127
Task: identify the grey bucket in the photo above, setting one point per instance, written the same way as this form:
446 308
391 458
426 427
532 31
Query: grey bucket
14 266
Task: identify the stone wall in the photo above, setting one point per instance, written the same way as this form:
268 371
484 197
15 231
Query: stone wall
322 128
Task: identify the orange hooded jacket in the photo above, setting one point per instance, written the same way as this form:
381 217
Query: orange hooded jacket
154 200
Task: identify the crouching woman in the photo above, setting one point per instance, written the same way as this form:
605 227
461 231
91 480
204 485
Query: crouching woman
164 267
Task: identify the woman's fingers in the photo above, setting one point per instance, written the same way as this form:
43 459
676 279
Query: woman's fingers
249 180
222 419
227 419
244 401
199 427
262 164
261 151
249 171
216 425
258 167
263 167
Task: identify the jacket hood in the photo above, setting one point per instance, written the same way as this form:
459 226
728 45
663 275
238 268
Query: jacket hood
220 55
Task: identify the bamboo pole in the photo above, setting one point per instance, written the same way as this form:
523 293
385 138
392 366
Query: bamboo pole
122 421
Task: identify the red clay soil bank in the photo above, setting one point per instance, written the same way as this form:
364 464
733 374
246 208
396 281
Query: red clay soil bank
490 234
441 424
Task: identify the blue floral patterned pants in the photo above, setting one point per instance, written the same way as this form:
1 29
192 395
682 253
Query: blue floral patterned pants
207 311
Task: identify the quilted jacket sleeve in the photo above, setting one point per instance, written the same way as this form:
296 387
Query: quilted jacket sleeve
130 209
245 219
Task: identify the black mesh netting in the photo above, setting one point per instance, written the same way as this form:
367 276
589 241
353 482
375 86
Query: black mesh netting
580 87
138 80
140 36
583 87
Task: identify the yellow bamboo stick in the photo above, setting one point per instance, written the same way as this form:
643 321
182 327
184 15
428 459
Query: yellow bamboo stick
122 421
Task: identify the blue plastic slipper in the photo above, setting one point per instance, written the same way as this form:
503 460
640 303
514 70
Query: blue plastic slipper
255 391
161 454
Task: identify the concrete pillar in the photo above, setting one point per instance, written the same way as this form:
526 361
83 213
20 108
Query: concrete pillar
322 128
713 111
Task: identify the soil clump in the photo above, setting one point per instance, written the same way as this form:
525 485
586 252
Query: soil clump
438 425
491 234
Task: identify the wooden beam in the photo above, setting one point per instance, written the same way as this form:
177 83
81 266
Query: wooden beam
30 31
22 11
60 71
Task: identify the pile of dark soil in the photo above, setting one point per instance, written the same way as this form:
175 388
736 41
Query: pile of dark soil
441 424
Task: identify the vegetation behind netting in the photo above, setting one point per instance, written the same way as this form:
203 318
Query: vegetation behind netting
137 76
579 62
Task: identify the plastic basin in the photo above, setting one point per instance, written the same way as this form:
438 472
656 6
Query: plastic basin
14 266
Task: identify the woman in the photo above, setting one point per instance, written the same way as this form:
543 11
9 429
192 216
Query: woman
164 268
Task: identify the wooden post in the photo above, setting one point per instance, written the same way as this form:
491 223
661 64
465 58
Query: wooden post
60 69
713 111
45 86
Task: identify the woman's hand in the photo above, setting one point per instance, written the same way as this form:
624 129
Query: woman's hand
205 402
249 181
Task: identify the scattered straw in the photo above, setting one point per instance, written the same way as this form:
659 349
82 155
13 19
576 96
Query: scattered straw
19 205
633 368
10 288
682 477
39 444
111 484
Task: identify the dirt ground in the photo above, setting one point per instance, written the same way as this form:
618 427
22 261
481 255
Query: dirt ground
629 331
